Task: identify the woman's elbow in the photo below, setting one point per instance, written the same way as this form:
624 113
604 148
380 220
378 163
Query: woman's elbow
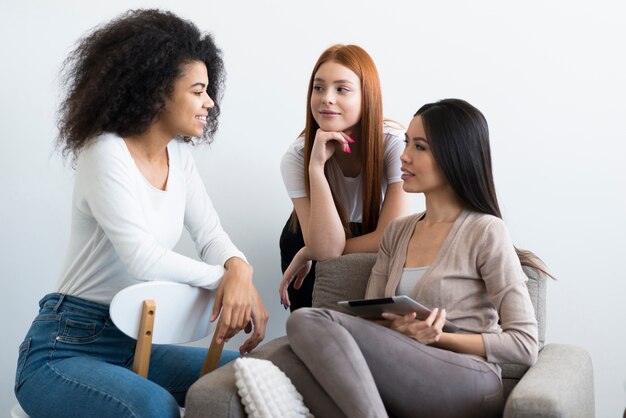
531 353
327 252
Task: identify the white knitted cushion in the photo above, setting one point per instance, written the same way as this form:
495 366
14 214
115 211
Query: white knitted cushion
266 392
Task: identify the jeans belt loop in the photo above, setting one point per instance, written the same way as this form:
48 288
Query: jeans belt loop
58 305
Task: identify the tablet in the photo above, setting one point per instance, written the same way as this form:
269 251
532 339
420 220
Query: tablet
401 305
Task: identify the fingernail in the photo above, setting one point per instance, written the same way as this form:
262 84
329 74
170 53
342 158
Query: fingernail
351 139
348 150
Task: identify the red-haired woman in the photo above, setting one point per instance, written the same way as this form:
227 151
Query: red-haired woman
342 174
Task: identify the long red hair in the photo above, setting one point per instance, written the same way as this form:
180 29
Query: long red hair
370 126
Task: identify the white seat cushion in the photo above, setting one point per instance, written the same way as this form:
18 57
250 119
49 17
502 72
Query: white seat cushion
266 392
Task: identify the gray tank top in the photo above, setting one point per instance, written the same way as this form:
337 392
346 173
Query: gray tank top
410 277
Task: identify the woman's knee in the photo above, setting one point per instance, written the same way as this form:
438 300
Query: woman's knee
146 399
81 386
299 318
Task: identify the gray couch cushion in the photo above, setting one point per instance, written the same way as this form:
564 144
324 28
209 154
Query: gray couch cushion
342 278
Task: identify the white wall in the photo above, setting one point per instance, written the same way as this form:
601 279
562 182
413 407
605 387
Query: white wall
549 76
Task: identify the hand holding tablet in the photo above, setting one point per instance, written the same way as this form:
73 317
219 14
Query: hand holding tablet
400 305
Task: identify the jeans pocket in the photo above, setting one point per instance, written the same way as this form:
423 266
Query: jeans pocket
21 360
80 332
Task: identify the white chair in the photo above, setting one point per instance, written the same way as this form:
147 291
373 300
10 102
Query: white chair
165 313
162 313
18 412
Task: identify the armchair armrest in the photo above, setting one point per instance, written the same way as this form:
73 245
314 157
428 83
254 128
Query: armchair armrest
560 384
215 394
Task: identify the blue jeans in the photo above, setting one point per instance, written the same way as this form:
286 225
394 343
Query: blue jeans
74 362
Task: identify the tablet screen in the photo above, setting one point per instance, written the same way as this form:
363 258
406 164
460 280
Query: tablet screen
400 305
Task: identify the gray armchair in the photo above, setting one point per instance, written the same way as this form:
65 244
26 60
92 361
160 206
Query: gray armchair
560 384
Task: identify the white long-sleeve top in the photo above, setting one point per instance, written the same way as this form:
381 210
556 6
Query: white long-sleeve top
124 229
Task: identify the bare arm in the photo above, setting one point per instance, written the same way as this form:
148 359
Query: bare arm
319 220
321 226
326 236
395 205
462 343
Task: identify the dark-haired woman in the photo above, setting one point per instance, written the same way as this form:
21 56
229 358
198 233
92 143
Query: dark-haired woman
139 89
456 257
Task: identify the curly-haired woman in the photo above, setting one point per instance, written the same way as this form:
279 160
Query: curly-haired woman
139 89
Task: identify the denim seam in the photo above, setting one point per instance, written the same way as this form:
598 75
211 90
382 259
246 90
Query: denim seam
21 360
47 317
58 372
180 389
72 323
68 339
58 303
79 340
64 304
53 346
85 312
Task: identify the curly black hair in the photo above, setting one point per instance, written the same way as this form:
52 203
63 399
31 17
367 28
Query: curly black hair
120 75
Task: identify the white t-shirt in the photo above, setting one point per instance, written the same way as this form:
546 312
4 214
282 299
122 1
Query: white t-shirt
349 189
124 229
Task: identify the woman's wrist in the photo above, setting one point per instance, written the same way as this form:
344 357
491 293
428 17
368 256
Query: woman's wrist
445 342
305 253
238 264
316 168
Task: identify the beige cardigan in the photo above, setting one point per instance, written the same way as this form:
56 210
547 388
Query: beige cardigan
476 277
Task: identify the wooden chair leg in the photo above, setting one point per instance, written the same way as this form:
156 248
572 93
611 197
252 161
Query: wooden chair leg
215 352
141 362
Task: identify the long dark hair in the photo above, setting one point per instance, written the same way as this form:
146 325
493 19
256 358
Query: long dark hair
459 138
120 75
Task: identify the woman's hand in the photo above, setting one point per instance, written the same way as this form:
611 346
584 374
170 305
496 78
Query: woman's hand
235 297
426 332
298 269
325 145
257 325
